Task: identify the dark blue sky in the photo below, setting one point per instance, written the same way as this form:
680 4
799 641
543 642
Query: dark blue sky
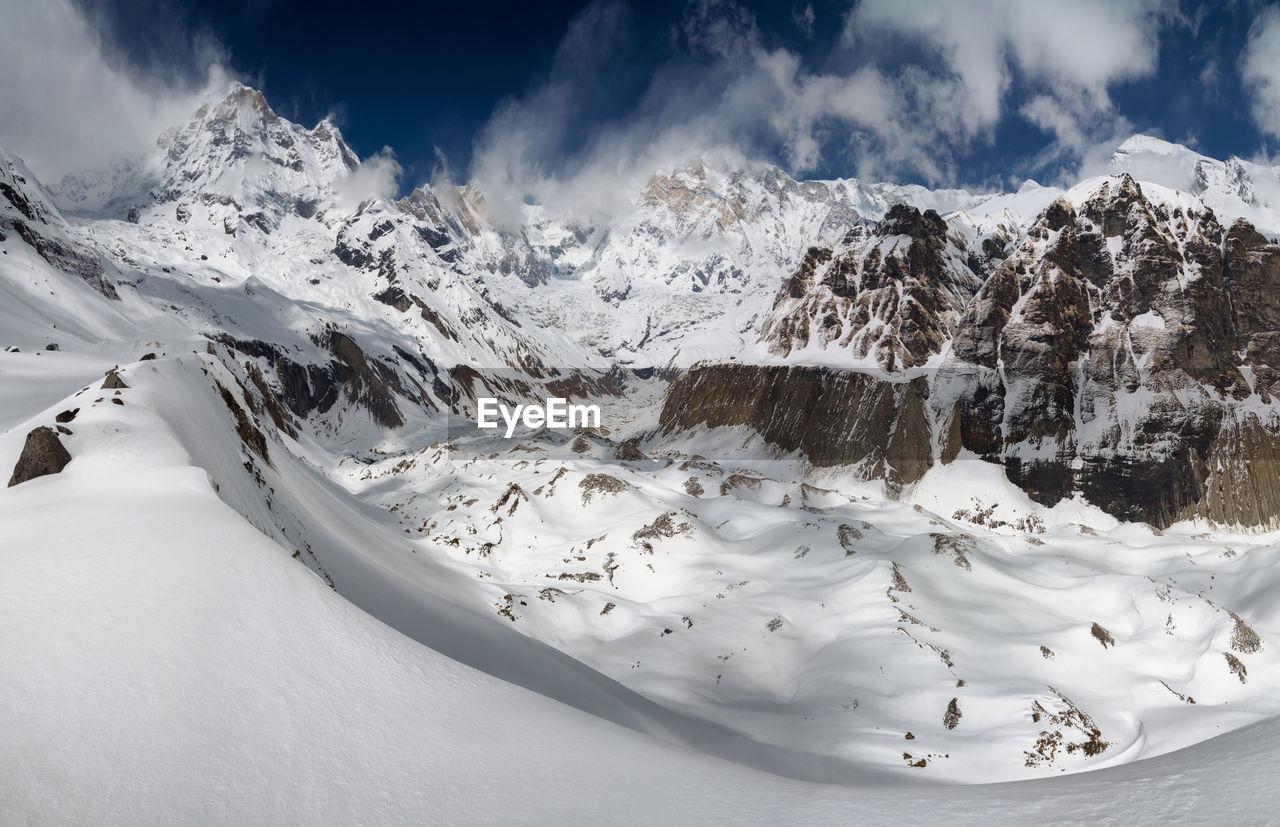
421 76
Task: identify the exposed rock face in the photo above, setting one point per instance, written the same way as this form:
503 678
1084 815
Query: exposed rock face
1124 351
42 454
1109 343
368 382
891 295
351 375
832 417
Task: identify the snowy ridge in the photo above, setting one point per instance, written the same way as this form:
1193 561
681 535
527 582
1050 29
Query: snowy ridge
1234 188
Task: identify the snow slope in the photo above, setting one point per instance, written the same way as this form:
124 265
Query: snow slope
164 661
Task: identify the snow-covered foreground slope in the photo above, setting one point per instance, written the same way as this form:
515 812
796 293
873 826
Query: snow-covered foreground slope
166 662
973 636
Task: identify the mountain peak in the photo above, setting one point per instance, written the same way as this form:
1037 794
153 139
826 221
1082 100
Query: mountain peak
234 151
1148 143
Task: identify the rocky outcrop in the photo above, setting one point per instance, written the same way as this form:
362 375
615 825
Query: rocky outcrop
1101 357
368 382
42 454
890 295
345 373
831 417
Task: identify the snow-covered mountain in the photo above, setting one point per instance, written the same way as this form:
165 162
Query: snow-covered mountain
894 483
1121 351
1234 188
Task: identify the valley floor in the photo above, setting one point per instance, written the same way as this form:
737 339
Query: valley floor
164 658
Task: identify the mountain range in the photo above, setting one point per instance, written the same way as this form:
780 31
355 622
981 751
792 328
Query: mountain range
843 421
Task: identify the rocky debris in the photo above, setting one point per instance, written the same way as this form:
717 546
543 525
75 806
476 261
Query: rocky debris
42 454
848 537
113 380
1063 721
663 527
956 546
1102 635
67 416
593 484
951 718
1236 667
513 496
628 451
1243 638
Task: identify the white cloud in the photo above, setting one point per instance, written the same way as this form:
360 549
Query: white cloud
1260 70
1069 53
377 176
804 19
888 112
66 106
727 95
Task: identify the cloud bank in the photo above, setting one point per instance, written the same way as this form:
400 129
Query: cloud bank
1260 70
908 86
67 106
878 89
378 176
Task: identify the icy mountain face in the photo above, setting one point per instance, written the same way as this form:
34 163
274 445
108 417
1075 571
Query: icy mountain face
1234 187
685 274
27 211
1091 342
235 161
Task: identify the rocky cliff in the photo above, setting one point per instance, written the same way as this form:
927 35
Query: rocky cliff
1123 352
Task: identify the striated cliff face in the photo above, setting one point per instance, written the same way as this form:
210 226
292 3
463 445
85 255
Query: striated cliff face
1124 351
833 417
